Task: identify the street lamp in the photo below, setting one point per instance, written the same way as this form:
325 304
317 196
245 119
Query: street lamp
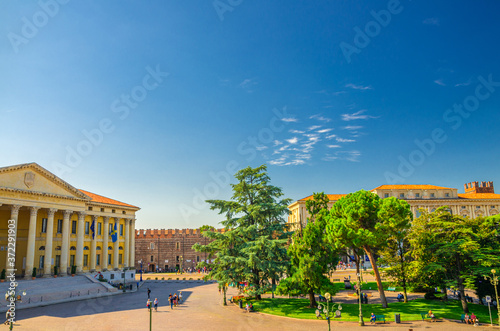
181 264
141 269
361 323
494 281
326 310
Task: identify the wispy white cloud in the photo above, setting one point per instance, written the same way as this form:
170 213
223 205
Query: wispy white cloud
467 83
333 146
431 21
324 130
293 140
359 87
440 82
289 119
352 127
277 143
314 127
296 131
359 115
261 148
331 136
320 118
339 92
248 84
344 140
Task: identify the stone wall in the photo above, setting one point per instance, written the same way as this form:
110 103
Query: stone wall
168 249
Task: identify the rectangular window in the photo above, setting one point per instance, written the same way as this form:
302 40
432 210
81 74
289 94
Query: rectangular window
152 246
59 226
433 195
85 260
178 246
152 258
120 257
58 260
401 195
121 230
109 258
417 195
102 210
110 227
73 227
197 259
90 208
113 211
42 262
99 228
463 207
98 259
44 225
386 195
72 260
87 227
447 195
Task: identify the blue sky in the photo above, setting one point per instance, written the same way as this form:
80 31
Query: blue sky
156 103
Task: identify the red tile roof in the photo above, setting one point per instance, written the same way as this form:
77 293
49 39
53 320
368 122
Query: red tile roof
479 196
102 199
331 197
410 187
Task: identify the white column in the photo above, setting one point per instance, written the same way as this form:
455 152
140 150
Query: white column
49 237
132 244
30 250
116 244
14 214
105 238
93 245
79 242
65 242
126 256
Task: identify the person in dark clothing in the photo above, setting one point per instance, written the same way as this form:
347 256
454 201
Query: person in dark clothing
149 293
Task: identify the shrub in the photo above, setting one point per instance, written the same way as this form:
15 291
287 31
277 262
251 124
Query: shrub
156 278
184 278
169 278
163 278
177 278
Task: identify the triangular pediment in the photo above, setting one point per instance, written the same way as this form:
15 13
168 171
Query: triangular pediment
32 178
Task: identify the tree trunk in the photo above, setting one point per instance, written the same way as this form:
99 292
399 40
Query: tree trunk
443 290
257 284
358 273
273 286
461 287
377 276
224 289
312 299
403 274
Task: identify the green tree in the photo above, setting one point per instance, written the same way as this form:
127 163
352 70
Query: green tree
311 255
363 220
395 253
255 218
457 249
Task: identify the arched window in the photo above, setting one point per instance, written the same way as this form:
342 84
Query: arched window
120 248
86 248
110 248
98 248
73 248
42 248
58 248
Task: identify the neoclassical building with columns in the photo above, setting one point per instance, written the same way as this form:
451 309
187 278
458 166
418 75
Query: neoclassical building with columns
478 199
50 223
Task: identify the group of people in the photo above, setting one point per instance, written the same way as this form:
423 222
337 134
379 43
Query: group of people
471 319
174 300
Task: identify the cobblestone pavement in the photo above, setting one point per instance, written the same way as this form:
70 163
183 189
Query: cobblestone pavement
201 310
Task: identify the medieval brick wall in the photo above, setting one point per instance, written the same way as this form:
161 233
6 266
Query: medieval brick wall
168 249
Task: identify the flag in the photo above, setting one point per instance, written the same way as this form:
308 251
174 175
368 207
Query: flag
114 235
92 228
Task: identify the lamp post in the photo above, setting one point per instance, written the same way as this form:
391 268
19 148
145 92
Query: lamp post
141 270
361 323
494 281
181 259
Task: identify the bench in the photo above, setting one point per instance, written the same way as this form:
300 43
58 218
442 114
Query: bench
426 315
379 318
391 289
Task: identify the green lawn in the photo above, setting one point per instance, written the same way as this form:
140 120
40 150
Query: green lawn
297 308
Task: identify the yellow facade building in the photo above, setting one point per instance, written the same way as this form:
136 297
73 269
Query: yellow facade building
478 199
46 223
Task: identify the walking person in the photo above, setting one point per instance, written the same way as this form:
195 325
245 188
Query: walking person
156 304
171 299
175 299
149 293
148 304
180 297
